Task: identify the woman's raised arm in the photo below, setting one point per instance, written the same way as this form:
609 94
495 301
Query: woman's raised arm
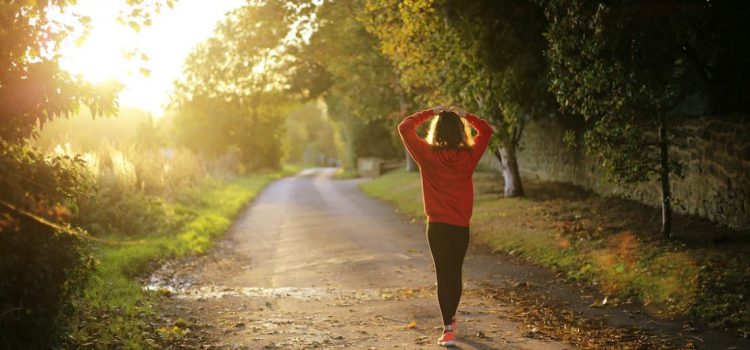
408 131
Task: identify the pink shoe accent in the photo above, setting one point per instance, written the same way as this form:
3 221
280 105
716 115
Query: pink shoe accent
448 339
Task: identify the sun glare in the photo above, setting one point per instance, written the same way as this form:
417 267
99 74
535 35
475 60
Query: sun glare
166 43
100 57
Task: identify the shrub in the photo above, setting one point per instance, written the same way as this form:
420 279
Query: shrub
131 185
125 214
42 265
42 270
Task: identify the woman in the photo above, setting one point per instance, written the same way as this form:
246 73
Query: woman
447 159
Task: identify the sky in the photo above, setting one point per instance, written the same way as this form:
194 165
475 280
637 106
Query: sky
166 42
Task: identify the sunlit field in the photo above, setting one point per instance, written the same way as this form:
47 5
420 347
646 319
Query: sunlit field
138 136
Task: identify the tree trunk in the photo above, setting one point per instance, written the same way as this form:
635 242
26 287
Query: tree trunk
411 165
666 200
511 176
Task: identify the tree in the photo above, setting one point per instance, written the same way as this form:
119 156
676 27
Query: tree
44 262
232 86
33 87
630 68
485 55
310 135
342 64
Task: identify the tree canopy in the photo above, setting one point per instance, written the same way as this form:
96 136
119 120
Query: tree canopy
633 69
342 64
484 55
232 89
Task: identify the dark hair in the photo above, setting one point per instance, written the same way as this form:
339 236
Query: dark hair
448 131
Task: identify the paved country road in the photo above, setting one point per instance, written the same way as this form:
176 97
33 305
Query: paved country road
314 263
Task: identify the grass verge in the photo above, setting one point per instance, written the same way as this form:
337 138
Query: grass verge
114 311
610 244
345 174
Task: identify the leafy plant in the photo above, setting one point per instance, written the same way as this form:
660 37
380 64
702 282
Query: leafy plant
42 272
633 69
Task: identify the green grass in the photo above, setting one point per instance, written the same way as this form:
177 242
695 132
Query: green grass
114 309
612 245
345 174
400 188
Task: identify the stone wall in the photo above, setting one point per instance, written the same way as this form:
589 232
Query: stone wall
716 173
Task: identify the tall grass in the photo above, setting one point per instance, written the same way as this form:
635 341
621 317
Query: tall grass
133 185
132 167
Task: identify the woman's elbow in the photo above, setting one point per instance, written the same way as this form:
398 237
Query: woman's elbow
403 127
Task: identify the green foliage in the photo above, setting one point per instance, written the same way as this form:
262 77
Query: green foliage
215 127
363 80
229 98
149 135
44 262
361 138
42 271
309 135
126 215
130 186
40 183
485 55
33 87
207 125
621 64
342 62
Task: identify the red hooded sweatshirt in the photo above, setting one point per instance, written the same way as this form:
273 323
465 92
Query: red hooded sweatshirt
447 187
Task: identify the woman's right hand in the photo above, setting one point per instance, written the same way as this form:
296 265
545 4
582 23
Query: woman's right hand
458 110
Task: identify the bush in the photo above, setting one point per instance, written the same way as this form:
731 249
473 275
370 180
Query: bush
42 270
131 186
126 214
42 265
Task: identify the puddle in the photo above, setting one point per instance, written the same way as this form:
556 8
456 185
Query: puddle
166 279
299 293
169 279
185 290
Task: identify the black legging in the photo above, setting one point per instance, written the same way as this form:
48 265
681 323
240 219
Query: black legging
448 245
